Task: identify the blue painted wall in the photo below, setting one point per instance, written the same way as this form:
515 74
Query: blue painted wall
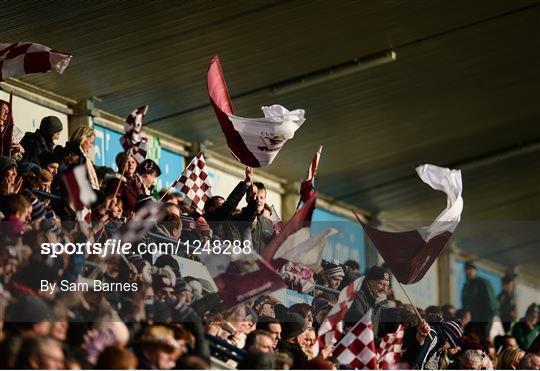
459 270
349 243
107 146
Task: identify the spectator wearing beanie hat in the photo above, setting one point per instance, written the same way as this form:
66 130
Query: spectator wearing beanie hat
8 176
372 295
42 139
293 326
49 161
335 274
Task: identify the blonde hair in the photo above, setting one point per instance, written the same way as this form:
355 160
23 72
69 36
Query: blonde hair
45 176
509 358
82 134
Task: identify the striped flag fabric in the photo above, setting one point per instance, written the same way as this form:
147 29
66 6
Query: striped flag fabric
22 58
410 254
331 328
357 348
78 187
254 142
133 140
308 186
194 183
390 349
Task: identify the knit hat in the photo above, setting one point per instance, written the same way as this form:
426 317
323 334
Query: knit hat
333 270
452 331
319 304
6 163
470 264
50 125
377 273
38 210
46 158
28 309
292 325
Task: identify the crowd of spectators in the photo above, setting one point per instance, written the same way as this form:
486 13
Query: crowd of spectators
178 321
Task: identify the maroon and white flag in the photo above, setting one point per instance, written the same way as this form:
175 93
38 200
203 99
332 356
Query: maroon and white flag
78 187
276 221
410 254
357 348
308 186
133 141
241 277
22 58
194 183
296 231
390 349
254 142
331 328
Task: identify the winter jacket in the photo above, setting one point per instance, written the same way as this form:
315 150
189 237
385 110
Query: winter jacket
363 302
34 144
225 223
478 298
423 357
262 233
524 335
300 358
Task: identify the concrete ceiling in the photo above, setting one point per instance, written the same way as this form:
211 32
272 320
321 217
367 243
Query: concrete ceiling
464 92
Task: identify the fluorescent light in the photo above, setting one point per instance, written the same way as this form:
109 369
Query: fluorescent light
333 73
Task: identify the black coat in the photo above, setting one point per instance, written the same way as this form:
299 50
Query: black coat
225 223
34 144
362 303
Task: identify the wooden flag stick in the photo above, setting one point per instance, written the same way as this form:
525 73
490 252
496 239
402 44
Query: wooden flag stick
122 175
168 190
399 283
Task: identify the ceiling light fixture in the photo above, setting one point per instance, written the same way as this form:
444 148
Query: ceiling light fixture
333 73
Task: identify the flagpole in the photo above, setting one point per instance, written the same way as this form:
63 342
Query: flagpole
168 190
399 283
122 175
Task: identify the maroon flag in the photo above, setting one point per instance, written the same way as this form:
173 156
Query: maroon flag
331 328
254 142
78 187
357 348
22 58
142 222
299 224
6 130
133 140
390 349
194 183
410 254
241 277
307 188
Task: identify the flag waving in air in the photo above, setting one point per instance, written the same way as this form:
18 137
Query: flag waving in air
357 347
307 188
254 142
410 254
133 140
22 58
194 183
